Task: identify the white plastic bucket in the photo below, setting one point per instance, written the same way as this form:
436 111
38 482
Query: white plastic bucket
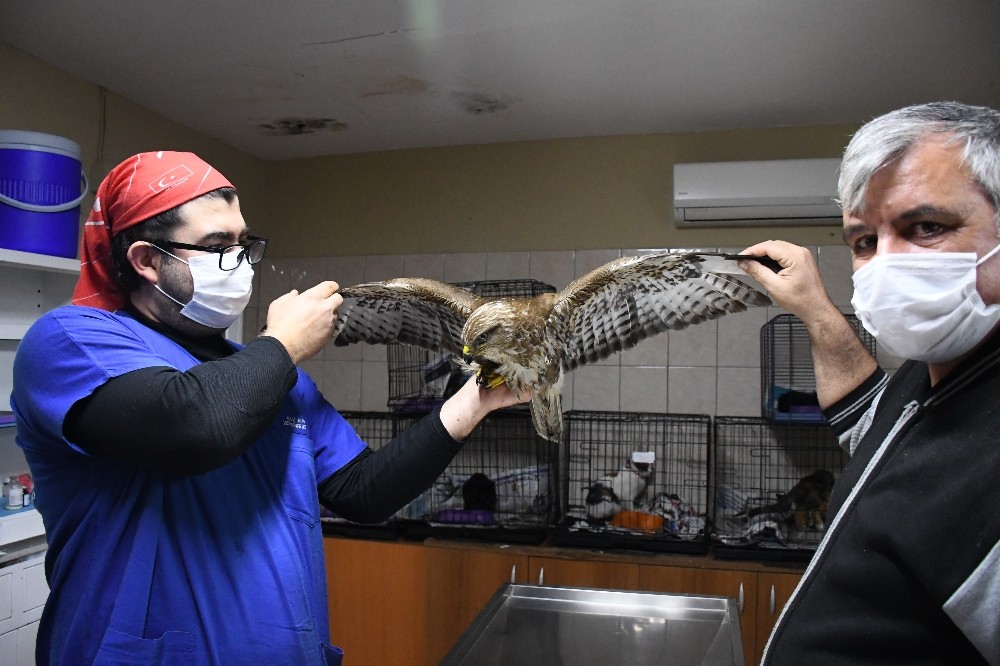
41 187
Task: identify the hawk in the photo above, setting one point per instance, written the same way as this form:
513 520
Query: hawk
531 342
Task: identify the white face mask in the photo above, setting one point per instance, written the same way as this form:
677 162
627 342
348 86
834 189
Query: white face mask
924 306
219 296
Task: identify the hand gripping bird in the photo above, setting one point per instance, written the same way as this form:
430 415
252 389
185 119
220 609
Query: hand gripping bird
531 342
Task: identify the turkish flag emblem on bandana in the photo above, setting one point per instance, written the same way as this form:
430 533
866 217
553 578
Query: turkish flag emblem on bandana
139 188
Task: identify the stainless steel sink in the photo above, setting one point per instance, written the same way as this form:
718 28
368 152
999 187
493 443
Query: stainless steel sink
528 625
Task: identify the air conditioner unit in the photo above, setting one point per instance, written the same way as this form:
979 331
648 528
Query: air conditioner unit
772 192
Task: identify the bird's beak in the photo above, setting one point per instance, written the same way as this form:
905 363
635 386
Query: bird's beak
467 354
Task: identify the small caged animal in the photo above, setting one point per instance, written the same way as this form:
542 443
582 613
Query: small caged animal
530 343
805 504
619 490
479 492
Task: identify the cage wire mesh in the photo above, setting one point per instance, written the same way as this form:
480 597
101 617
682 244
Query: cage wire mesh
635 480
502 485
420 379
788 382
376 429
771 483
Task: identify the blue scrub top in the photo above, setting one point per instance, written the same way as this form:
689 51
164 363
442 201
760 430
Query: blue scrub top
152 568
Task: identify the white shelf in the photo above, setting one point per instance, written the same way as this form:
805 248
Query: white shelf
40 262
20 526
13 331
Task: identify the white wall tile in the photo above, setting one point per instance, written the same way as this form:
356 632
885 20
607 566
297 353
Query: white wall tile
465 267
374 386
691 390
738 392
342 384
305 273
373 353
554 268
250 325
353 352
596 387
347 271
507 265
653 351
739 338
314 368
430 266
383 267
275 280
644 389
695 345
587 260
567 391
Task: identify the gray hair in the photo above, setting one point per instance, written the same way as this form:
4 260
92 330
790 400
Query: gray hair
887 138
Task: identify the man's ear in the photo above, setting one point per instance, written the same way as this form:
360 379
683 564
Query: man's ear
145 260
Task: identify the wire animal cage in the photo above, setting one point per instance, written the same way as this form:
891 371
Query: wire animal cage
501 486
771 484
375 429
787 379
420 379
635 480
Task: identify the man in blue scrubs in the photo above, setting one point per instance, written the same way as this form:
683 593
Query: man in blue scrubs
180 475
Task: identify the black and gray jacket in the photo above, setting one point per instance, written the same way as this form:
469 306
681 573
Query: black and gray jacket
909 570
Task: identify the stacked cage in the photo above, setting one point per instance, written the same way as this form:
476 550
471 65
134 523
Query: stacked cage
501 486
771 483
419 379
635 480
788 382
375 429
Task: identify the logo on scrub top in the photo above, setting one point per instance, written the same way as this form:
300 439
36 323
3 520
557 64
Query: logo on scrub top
174 176
295 422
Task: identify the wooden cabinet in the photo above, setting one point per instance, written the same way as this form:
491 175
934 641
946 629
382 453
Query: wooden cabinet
773 591
740 585
408 603
460 581
405 603
561 572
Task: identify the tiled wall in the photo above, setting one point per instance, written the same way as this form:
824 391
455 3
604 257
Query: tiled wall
712 368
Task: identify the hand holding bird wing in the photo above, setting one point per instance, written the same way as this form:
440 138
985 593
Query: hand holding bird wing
627 300
416 311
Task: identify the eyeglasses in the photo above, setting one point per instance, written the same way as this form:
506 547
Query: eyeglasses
230 256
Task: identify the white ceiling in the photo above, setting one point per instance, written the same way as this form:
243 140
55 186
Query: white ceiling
302 78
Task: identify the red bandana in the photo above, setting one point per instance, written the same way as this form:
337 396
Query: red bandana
139 188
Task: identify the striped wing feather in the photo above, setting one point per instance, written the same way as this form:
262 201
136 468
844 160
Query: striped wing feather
416 311
625 301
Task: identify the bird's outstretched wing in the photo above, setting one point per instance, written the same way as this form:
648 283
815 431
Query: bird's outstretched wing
627 300
416 311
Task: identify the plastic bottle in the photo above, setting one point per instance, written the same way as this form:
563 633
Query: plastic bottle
15 494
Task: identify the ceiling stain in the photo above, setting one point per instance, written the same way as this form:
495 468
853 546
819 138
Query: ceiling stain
295 126
401 85
478 103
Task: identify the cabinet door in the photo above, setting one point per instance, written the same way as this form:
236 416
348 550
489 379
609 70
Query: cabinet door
740 585
773 592
377 597
460 582
583 573
407 604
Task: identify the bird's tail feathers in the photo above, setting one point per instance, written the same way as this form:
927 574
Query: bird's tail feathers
546 414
